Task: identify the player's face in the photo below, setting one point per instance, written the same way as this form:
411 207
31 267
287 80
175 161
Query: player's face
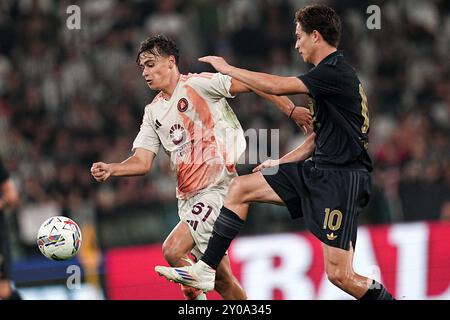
304 43
155 70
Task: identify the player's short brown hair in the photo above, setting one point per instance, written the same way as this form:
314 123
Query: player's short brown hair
323 19
159 45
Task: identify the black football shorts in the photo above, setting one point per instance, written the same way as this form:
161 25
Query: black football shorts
330 200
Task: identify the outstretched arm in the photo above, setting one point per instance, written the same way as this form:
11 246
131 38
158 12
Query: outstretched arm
137 165
302 152
265 82
301 116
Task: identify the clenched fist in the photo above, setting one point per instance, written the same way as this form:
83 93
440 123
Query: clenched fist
101 171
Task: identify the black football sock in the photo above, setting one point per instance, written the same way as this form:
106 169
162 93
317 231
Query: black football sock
377 292
225 229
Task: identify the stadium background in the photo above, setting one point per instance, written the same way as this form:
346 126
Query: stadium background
69 98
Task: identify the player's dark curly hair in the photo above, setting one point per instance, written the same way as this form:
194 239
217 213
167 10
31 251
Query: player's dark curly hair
323 19
159 45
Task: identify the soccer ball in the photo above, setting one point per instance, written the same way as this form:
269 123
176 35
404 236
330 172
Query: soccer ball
59 238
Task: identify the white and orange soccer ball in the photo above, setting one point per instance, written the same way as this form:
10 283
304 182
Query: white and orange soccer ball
59 238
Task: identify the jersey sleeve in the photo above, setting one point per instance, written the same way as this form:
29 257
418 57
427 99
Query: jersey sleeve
322 80
216 85
147 138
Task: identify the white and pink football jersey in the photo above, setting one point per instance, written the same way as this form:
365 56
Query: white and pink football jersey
197 129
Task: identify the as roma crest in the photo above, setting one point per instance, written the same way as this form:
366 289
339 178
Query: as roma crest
182 105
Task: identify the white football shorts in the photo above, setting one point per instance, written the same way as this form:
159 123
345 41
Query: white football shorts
200 212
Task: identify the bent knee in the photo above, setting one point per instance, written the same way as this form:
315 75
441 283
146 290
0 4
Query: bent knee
171 253
339 277
238 189
236 184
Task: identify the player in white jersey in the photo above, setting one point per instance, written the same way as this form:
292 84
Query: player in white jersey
191 120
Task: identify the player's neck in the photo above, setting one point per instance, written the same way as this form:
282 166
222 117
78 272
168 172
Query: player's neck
322 54
170 88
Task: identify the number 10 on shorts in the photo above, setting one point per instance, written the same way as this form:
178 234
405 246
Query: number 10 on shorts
332 219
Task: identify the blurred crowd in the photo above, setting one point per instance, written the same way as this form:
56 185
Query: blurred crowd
71 97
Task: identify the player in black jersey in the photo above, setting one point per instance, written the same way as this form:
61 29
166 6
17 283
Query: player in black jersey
8 197
330 189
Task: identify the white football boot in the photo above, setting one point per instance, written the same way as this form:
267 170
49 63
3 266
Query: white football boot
200 275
